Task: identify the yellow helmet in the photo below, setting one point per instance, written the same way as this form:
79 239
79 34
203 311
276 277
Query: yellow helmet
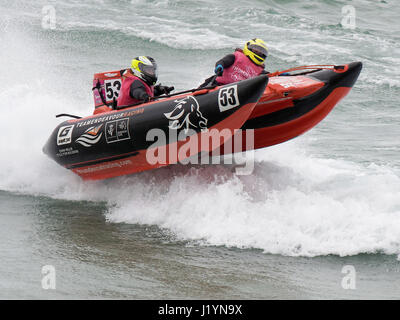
256 50
145 68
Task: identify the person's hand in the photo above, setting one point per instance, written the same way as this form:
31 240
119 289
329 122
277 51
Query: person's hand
168 89
219 69
164 89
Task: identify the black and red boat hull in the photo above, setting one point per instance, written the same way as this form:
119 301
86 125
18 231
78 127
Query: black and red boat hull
130 140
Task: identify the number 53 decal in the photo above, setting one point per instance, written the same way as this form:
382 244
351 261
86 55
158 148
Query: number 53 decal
112 88
228 98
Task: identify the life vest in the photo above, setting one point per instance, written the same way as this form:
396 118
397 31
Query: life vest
243 68
124 97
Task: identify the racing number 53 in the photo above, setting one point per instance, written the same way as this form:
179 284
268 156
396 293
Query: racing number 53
228 98
112 88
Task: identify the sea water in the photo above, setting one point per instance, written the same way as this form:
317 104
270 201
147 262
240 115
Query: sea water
319 217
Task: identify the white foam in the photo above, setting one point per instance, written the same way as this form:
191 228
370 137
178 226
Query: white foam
292 204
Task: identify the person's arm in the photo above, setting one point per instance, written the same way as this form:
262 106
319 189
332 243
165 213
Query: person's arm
138 91
224 63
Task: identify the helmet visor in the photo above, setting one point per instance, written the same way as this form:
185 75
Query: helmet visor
149 70
150 73
258 50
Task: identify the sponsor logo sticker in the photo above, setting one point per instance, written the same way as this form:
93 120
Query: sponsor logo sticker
64 135
117 130
90 137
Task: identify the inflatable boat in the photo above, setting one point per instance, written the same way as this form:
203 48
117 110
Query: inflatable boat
270 108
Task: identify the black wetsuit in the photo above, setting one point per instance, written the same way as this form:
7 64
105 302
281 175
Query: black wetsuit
226 61
137 90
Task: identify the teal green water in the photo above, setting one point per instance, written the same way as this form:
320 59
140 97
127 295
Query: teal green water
327 199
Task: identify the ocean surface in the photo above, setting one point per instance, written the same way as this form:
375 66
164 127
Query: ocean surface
316 210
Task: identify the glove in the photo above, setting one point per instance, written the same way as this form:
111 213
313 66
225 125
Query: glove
168 89
219 69
163 89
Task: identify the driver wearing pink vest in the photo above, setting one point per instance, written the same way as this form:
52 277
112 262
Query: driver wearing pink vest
240 65
138 82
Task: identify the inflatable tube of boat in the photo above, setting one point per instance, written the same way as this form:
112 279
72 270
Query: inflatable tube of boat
151 135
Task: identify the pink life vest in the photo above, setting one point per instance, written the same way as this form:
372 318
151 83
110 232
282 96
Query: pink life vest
243 68
124 98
